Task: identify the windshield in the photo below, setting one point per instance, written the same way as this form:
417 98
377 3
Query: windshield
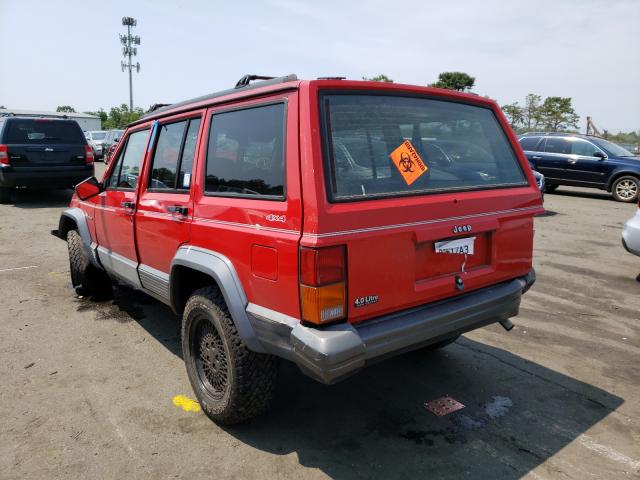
387 145
613 149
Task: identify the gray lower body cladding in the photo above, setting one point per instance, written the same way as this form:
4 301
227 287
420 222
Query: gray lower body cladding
332 353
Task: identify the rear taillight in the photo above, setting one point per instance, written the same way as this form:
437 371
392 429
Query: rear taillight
4 154
323 288
88 155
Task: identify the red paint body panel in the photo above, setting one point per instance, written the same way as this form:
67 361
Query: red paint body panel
389 242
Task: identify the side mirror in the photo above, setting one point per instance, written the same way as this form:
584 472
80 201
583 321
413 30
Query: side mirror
88 188
599 155
116 140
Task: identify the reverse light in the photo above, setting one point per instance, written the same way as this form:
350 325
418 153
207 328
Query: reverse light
88 155
4 154
323 290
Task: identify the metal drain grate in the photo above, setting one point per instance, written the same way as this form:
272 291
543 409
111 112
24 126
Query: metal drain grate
443 406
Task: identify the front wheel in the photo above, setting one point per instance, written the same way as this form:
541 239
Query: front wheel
232 383
625 189
85 278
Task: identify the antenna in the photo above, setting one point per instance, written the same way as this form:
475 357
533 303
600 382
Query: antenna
128 51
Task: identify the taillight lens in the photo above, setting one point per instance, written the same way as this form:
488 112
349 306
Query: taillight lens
88 154
4 154
323 290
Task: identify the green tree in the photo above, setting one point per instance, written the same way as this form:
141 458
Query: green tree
379 78
514 114
531 111
66 109
557 113
459 81
121 116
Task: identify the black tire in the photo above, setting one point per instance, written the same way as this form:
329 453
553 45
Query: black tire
5 194
550 188
625 189
232 383
85 278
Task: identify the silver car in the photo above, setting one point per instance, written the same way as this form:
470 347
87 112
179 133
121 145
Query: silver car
95 139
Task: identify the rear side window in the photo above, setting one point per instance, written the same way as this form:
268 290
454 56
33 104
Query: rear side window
245 156
557 145
386 146
173 157
126 171
529 143
44 131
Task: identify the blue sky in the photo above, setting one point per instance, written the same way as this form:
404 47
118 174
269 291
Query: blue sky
67 52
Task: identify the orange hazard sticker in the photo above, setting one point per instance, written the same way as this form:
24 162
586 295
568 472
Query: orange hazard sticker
408 162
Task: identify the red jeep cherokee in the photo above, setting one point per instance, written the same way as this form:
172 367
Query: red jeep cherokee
327 222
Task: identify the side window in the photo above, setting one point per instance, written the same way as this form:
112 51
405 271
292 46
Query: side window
126 171
173 156
246 152
557 145
529 143
582 147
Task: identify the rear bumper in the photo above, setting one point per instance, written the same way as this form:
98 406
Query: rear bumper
631 234
54 177
332 353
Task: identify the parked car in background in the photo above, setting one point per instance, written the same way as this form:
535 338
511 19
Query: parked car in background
109 143
300 220
48 152
96 139
583 161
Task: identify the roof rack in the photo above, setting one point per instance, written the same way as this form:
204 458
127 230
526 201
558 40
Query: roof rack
552 134
269 81
157 106
244 81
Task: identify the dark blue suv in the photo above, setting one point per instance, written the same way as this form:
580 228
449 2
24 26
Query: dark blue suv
583 161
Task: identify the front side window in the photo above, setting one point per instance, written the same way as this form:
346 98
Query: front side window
386 146
246 152
582 147
126 170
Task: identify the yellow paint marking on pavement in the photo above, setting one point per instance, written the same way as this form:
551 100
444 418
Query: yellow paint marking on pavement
185 403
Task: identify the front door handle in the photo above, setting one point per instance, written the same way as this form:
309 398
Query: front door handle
128 205
179 209
536 157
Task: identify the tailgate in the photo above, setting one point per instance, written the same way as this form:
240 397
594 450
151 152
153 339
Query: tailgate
431 198
43 142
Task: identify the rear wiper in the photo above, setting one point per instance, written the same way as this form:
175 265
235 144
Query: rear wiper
52 138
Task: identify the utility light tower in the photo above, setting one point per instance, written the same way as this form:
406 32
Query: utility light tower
129 50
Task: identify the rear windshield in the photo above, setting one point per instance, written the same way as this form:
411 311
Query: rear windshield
389 145
44 131
98 135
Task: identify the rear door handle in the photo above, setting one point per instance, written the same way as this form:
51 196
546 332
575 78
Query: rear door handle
179 209
536 157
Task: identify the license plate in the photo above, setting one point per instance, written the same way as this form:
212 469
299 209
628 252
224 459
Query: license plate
461 246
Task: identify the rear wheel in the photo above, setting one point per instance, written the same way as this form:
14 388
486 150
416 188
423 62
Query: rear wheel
85 278
550 188
232 383
625 189
5 194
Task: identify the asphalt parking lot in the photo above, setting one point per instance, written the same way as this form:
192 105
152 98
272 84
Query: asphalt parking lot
87 387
